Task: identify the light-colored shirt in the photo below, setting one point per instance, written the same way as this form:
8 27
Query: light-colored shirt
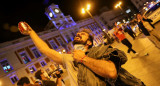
71 69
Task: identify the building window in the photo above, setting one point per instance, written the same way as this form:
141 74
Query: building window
43 63
73 34
6 66
60 41
25 57
52 43
32 69
90 27
97 25
36 52
68 38
94 26
47 70
14 79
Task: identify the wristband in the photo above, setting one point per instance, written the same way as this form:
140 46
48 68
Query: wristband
82 58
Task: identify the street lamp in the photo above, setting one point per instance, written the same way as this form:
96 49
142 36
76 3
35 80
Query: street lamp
118 5
103 30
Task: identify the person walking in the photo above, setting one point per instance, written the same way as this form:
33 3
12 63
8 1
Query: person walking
120 35
128 29
153 36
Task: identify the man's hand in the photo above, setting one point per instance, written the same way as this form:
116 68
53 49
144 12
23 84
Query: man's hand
24 28
78 55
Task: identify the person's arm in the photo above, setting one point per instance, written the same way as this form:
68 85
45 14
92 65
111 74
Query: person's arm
43 47
59 81
103 68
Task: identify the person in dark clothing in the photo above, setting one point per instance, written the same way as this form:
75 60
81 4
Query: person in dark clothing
129 30
153 36
45 81
149 21
24 81
143 29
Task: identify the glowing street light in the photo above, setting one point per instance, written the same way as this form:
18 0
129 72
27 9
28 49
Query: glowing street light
88 6
118 5
83 10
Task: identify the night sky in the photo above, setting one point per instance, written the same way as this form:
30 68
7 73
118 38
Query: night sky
32 11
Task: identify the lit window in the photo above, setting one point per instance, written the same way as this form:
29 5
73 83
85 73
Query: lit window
14 79
36 52
54 46
24 57
32 69
43 63
6 66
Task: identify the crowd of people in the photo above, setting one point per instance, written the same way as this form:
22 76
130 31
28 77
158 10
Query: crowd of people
88 65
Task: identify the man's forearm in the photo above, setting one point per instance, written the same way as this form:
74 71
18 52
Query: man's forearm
44 48
101 67
40 44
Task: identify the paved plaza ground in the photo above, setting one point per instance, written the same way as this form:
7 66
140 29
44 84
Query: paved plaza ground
147 68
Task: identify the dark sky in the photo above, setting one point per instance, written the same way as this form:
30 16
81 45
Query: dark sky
32 11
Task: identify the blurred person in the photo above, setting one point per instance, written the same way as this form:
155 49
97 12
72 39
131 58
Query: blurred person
24 81
130 31
45 80
153 35
120 35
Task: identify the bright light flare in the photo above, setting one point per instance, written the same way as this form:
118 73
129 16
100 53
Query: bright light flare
88 6
118 4
83 10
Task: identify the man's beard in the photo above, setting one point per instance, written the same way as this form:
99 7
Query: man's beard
79 42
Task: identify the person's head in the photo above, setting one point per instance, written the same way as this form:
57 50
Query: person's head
138 16
24 81
84 37
40 75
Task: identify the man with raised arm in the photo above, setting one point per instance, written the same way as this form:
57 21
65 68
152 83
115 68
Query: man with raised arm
84 66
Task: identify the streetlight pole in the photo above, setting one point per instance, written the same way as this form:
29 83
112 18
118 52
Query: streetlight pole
105 34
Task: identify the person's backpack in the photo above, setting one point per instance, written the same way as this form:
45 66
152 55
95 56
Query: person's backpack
124 77
127 79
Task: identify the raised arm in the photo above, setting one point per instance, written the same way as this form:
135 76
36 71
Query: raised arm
42 46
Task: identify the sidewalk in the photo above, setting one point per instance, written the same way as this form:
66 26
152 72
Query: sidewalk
146 68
